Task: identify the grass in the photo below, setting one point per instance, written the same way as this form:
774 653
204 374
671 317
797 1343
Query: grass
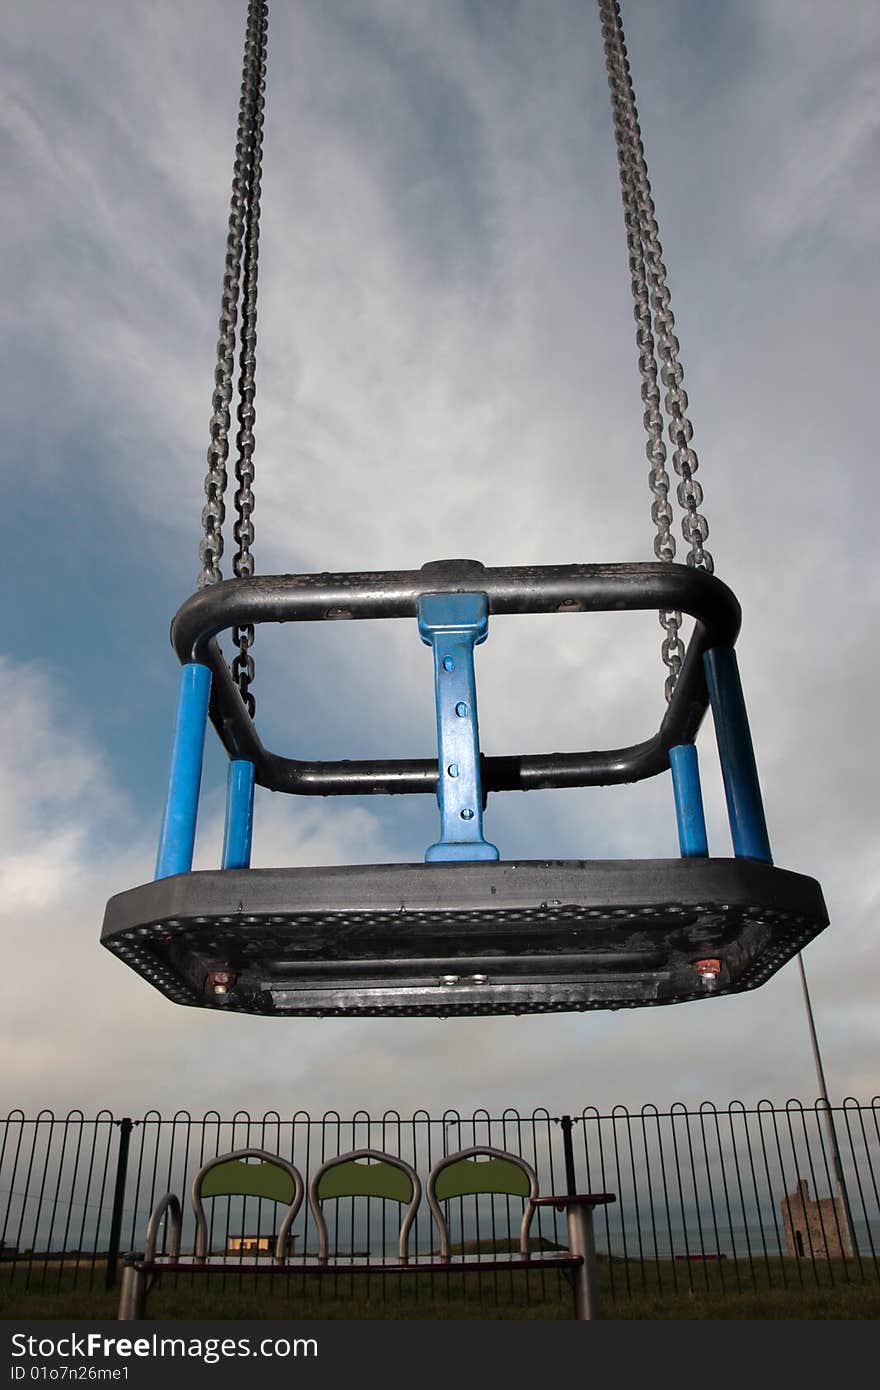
628 1290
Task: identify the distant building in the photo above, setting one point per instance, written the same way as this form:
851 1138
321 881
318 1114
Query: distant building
254 1245
815 1229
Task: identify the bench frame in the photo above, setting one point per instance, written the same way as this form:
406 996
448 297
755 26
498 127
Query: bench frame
141 1270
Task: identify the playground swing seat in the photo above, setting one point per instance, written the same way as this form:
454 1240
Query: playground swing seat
464 933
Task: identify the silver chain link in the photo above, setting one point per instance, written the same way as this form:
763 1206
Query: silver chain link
647 271
213 514
242 244
243 530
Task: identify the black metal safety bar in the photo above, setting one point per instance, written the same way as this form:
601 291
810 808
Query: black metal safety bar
395 594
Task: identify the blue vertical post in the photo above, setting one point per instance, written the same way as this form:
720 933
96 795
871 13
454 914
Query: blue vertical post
745 808
177 840
692 839
453 624
239 828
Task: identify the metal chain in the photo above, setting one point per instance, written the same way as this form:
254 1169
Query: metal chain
242 244
690 495
213 514
243 530
658 478
647 268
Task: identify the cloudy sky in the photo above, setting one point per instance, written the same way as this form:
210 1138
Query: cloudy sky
446 367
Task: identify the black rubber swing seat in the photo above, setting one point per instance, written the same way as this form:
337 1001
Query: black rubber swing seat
475 936
439 940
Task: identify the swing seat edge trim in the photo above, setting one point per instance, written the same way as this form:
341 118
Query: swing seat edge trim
477 939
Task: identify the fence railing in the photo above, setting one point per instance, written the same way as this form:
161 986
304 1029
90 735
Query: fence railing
734 1197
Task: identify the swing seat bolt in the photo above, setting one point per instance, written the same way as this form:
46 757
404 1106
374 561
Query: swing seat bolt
708 971
220 982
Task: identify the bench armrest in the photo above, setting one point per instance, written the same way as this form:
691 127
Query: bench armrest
578 1199
170 1203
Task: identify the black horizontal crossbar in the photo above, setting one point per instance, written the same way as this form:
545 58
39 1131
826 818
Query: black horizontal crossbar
394 594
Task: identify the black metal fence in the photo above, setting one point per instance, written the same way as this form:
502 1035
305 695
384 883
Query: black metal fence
728 1198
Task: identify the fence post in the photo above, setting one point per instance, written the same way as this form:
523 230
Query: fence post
125 1128
568 1150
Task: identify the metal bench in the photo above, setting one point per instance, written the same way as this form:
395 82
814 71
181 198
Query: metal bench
369 1173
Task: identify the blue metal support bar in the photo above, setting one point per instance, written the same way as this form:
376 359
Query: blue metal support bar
239 828
178 836
745 808
692 838
453 624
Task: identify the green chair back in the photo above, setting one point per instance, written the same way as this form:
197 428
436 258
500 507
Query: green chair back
464 1175
236 1178
366 1173
468 1177
230 1175
380 1178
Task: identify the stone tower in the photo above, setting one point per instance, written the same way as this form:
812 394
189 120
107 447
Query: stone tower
815 1229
